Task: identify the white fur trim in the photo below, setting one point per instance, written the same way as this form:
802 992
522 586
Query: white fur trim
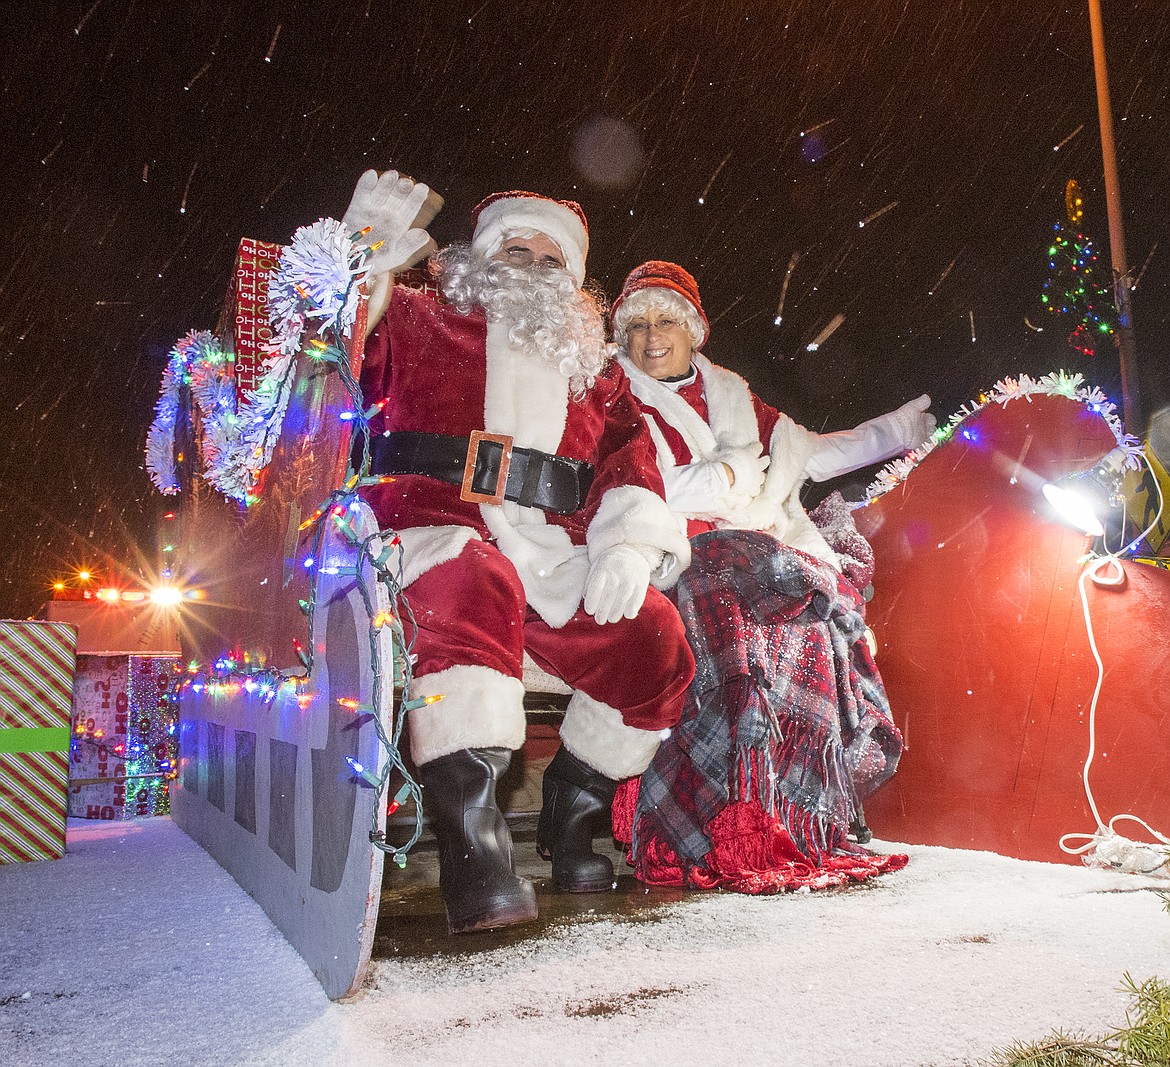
552 569
634 516
481 708
524 396
528 399
595 733
696 434
777 509
729 406
424 547
557 222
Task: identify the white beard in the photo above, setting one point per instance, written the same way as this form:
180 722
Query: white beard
544 312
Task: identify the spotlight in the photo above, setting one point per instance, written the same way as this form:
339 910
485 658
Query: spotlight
1075 509
1085 499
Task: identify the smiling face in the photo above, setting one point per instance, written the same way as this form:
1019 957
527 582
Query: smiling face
659 344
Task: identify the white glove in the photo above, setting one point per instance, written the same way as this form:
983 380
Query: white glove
396 209
616 585
747 466
912 422
888 435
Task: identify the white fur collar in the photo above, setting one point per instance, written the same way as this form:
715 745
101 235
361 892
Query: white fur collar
733 425
729 407
524 397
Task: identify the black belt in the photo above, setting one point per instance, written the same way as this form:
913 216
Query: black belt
487 467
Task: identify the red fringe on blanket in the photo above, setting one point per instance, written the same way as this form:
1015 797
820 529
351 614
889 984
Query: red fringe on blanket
752 852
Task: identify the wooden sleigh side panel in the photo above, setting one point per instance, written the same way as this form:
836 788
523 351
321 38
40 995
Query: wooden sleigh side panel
264 785
984 650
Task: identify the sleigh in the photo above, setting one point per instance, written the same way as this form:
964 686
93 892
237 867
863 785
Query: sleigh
291 769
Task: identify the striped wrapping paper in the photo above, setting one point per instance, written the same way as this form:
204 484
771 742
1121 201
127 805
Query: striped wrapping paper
37 661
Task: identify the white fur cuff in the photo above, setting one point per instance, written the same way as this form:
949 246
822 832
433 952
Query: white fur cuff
481 708
638 518
595 734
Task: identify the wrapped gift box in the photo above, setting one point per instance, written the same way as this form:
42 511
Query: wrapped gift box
37 662
125 739
256 261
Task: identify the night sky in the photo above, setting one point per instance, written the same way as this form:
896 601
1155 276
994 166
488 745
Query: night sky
143 140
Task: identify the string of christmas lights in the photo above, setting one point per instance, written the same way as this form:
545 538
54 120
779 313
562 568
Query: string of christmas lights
1073 291
1058 383
317 285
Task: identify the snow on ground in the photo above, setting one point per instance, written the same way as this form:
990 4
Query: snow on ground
136 948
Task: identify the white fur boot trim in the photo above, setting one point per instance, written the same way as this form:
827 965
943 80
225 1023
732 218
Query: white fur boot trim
595 734
481 708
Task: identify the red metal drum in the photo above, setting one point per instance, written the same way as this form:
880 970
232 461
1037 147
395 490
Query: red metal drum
983 646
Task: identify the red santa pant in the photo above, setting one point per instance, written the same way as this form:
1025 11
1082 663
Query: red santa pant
471 611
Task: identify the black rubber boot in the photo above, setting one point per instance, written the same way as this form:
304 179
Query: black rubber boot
477 876
574 796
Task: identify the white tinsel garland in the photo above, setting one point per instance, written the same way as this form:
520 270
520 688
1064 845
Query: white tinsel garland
317 280
198 361
245 452
1058 383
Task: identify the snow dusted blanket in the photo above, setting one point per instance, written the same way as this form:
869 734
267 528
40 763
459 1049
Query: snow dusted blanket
787 726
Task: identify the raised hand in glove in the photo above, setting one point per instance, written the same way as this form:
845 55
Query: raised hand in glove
616 585
395 209
874 441
912 422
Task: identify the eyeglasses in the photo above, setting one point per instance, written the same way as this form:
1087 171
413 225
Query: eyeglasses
641 326
521 256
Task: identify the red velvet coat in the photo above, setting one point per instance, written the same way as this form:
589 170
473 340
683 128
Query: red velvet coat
442 371
429 360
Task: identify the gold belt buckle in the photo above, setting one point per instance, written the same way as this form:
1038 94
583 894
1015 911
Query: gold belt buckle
466 492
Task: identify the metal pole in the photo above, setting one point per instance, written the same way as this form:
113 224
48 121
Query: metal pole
1130 397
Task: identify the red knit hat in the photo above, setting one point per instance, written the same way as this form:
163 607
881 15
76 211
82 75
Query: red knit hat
659 274
563 221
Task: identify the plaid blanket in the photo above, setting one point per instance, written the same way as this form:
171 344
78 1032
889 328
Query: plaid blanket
787 725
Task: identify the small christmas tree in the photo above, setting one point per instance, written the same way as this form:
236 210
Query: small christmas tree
1073 289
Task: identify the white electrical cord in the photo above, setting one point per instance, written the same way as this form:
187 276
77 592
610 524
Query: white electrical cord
1105 847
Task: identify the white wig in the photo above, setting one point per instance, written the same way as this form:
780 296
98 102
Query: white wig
666 301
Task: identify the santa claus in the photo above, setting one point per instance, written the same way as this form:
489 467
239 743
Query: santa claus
530 506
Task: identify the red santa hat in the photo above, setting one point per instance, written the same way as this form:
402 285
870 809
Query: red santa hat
659 274
562 221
